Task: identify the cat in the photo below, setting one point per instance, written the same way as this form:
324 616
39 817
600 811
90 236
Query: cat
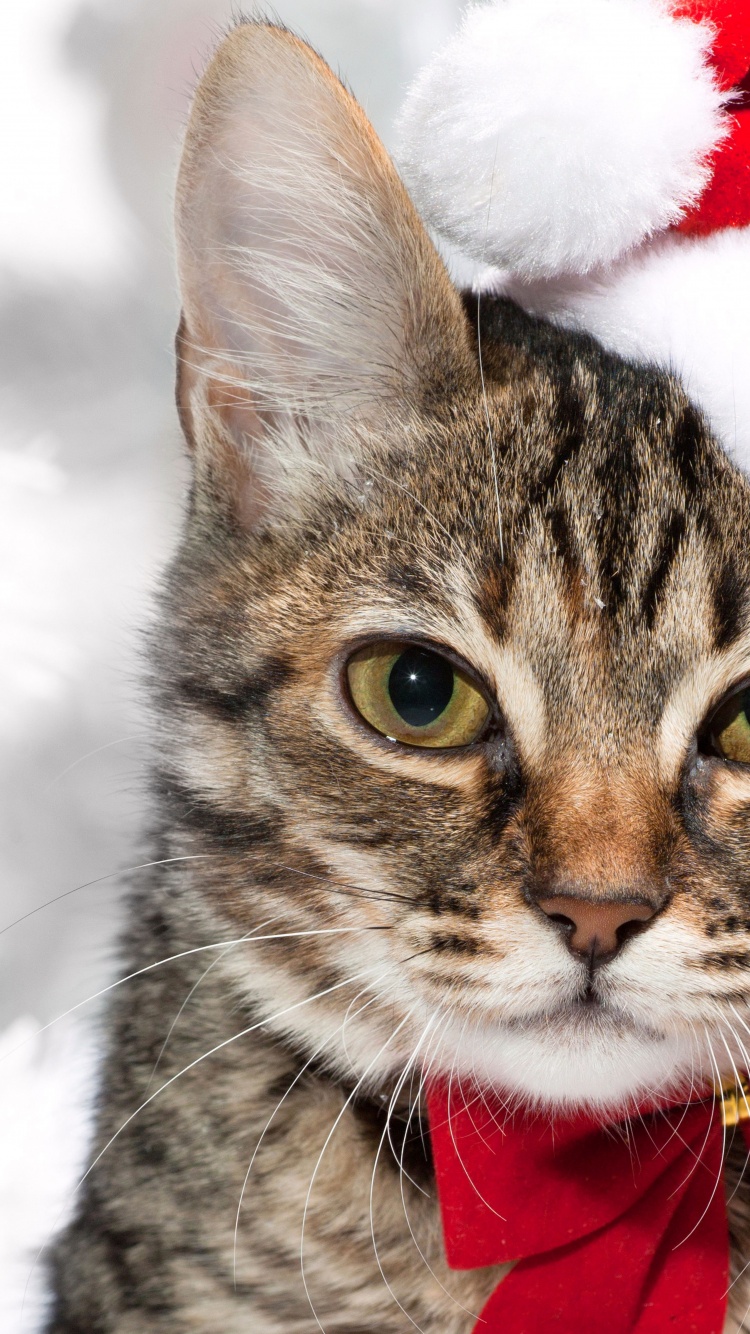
452 721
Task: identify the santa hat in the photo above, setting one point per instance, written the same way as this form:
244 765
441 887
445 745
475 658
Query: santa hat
594 157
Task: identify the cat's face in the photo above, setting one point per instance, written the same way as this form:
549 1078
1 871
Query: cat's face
446 662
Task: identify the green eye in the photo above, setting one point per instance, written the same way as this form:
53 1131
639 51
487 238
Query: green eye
729 729
416 696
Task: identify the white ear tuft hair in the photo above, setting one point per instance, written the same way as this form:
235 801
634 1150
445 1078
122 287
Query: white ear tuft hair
316 309
551 136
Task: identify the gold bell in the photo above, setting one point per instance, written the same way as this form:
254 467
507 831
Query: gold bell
734 1096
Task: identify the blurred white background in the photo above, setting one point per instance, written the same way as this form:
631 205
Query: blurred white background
93 98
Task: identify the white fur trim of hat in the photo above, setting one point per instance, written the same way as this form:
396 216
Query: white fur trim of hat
558 143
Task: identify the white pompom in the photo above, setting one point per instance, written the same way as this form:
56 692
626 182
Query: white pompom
550 136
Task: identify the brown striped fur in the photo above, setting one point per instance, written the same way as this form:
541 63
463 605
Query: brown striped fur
358 911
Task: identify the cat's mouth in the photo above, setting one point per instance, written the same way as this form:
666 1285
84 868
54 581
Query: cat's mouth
585 1015
582 1050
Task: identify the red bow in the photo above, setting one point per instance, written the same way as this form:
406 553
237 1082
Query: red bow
617 1228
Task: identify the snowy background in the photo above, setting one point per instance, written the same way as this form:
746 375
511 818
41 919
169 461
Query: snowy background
93 98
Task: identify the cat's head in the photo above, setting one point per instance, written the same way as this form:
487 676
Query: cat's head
457 644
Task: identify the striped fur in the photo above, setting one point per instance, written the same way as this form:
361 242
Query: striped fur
336 916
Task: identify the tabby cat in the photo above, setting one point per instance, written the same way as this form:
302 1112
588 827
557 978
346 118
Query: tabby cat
452 695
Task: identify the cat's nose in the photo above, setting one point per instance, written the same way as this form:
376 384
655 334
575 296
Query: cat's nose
597 929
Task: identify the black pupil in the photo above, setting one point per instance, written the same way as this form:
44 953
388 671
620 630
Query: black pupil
420 686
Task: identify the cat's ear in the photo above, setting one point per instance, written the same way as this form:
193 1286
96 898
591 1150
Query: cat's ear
316 311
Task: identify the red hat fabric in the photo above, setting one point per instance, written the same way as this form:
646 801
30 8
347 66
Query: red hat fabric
730 37
725 202
551 136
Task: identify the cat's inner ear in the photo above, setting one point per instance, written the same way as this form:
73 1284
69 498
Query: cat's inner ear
316 311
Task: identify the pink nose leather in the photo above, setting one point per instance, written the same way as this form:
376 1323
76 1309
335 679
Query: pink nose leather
593 927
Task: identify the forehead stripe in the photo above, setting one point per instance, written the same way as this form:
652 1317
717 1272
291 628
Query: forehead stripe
662 566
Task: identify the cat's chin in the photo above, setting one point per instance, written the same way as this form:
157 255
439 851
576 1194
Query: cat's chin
582 1057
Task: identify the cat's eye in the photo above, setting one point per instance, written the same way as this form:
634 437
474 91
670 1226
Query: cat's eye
416 696
728 731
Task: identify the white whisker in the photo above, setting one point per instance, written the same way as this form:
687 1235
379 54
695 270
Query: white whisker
424 1076
185 954
220 1046
386 1134
233 945
350 1098
720 1174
